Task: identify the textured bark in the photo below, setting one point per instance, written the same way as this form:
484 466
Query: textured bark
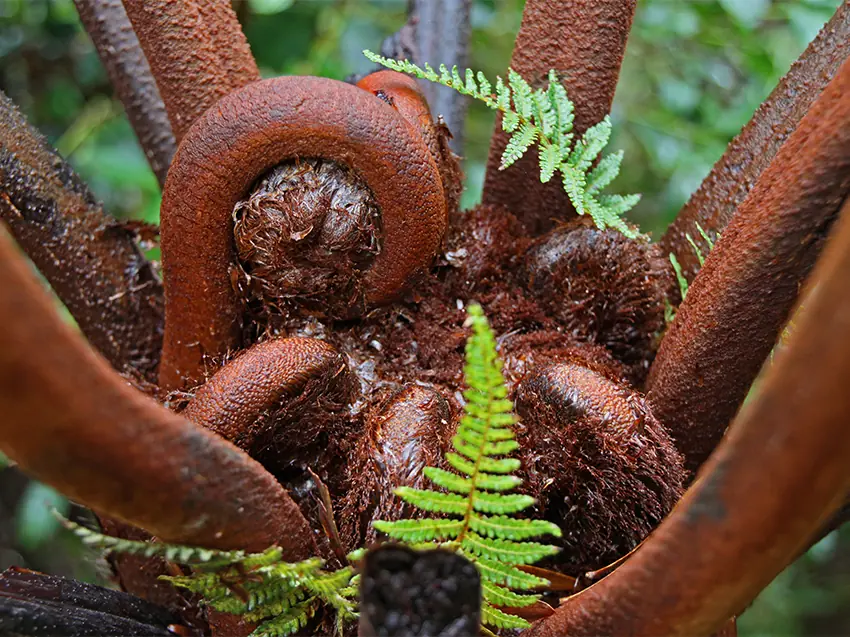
584 42
775 479
197 52
752 151
441 34
130 75
71 422
36 604
92 263
744 293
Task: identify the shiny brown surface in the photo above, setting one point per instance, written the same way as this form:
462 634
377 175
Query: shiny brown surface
744 293
234 399
249 132
584 42
197 52
752 151
409 432
130 75
92 263
71 422
776 477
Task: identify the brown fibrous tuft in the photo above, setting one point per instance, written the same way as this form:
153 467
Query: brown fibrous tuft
603 286
303 237
596 461
405 433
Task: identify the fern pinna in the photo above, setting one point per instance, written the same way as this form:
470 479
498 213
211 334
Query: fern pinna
260 587
545 117
475 497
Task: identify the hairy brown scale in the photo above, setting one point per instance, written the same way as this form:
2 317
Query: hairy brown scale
574 269
409 432
304 237
617 474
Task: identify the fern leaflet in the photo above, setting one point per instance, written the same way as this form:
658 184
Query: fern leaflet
476 495
544 117
281 596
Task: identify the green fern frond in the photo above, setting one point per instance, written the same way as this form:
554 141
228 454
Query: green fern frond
422 530
288 623
171 552
258 586
677 268
544 117
500 526
476 499
499 619
680 276
507 575
501 596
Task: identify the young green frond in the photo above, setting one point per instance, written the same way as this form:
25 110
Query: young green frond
543 117
281 596
475 500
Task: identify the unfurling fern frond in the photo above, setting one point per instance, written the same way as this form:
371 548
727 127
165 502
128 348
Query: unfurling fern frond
544 117
477 494
281 596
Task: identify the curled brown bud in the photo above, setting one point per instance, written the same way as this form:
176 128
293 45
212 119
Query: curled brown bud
304 236
409 433
230 147
603 287
241 401
596 460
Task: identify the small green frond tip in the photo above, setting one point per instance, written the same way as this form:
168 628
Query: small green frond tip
543 118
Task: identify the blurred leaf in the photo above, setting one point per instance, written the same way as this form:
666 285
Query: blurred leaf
748 12
35 522
268 7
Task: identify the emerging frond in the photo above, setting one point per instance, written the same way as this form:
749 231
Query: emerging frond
475 499
262 587
544 117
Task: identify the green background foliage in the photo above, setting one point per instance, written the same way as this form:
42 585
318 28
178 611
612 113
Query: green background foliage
694 73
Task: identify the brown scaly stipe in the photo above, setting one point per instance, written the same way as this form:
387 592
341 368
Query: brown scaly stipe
748 155
91 261
232 402
130 74
197 52
736 528
71 422
744 293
